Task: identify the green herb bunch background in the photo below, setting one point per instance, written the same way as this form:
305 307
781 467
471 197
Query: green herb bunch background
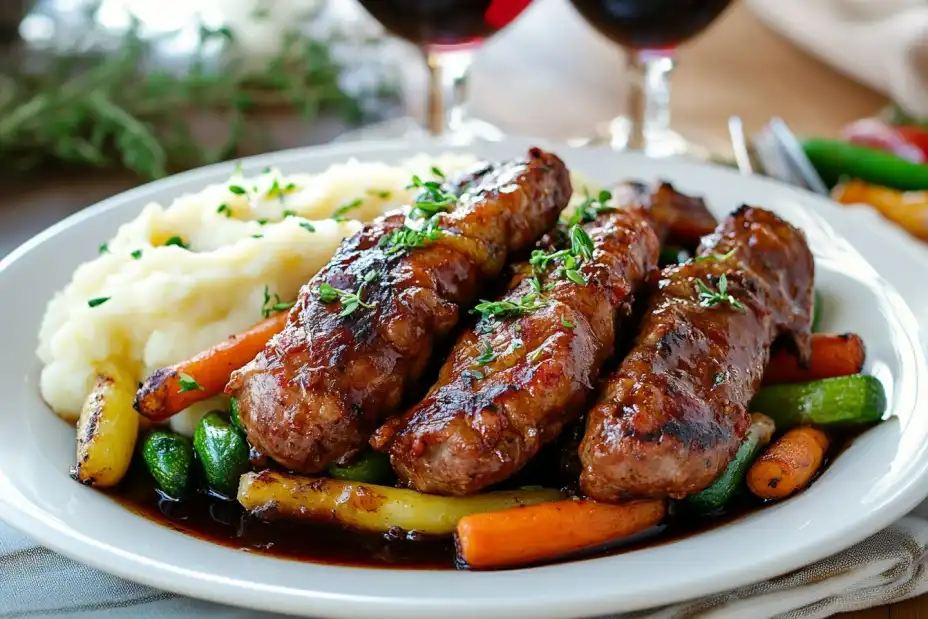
115 109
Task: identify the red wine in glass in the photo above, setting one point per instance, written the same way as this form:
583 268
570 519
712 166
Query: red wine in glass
444 22
650 24
447 32
651 30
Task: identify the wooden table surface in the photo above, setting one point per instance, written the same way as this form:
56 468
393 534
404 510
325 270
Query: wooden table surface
550 75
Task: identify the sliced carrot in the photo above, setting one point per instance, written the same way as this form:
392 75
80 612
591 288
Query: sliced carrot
789 464
162 395
543 532
832 355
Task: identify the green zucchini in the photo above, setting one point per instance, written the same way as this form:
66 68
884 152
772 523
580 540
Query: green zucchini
234 417
370 467
223 453
845 400
717 495
834 159
169 459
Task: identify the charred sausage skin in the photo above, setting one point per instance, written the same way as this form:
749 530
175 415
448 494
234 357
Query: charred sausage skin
510 385
320 387
674 413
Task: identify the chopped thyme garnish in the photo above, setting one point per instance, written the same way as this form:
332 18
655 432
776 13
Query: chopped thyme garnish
307 226
717 257
257 236
262 222
587 210
104 248
383 194
289 213
438 173
273 305
711 298
224 209
486 355
537 354
188 383
339 214
509 309
238 190
407 237
581 248
278 191
567 324
432 199
136 254
98 301
177 242
351 301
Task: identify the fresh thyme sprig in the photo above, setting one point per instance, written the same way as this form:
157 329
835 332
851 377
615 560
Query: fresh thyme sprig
509 309
432 198
716 257
271 306
103 107
592 206
351 301
407 238
581 248
711 298
341 211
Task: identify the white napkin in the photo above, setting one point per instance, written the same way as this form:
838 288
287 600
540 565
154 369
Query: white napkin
882 43
887 567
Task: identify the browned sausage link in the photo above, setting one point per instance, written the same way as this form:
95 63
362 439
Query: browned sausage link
676 217
673 415
509 388
342 364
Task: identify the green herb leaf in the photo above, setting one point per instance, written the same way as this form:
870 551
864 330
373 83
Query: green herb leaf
581 245
711 298
717 257
567 324
262 222
537 354
289 213
509 309
104 248
351 301
257 236
438 173
224 209
588 210
136 254
575 276
431 200
383 194
187 383
408 238
177 242
307 226
486 355
96 302
271 306
339 214
238 190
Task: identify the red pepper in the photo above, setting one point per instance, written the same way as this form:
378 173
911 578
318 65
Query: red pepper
910 143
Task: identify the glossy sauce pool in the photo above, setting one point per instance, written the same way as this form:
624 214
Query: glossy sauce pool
226 523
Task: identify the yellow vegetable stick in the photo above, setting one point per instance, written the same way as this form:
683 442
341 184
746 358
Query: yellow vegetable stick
369 507
107 429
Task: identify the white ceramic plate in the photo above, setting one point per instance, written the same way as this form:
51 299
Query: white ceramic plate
880 477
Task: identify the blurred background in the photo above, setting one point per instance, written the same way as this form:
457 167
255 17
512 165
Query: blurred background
99 96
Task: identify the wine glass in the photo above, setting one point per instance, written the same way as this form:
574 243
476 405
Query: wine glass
448 32
651 30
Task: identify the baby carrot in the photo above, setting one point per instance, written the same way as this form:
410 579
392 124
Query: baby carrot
542 532
170 390
832 355
789 464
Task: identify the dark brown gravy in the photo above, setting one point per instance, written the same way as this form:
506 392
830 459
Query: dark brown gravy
226 523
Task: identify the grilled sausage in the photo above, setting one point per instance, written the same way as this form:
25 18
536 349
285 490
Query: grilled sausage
513 382
363 329
673 415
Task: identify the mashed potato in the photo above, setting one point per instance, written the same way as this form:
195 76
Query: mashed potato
179 279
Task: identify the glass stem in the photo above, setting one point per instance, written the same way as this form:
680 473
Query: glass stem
447 106
650 103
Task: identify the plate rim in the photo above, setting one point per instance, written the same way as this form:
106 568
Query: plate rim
70 543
